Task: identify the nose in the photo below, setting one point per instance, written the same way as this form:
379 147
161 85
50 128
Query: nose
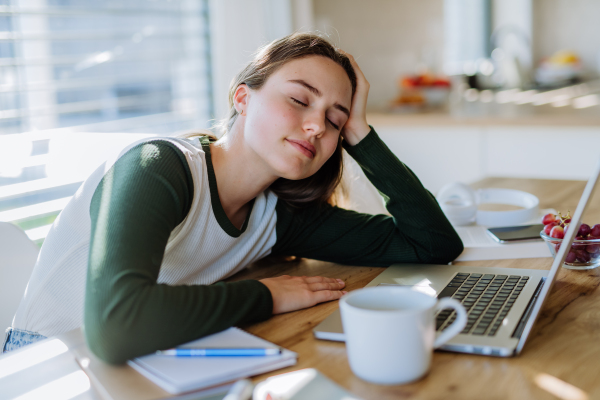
314 124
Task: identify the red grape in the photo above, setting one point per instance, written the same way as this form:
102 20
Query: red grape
548 218
549 227
595 230
567 221
592 248
584 230
557 232
583 256
578 246
571 257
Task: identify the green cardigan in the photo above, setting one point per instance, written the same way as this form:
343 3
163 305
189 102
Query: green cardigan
148 196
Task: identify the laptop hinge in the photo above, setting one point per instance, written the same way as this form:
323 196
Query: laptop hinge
521 326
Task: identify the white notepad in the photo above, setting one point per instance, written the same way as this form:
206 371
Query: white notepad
480 246
184 374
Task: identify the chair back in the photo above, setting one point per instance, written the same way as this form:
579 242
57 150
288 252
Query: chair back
18 255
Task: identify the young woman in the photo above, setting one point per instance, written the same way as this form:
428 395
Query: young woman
134 257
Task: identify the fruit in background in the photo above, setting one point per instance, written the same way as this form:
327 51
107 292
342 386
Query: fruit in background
557 232
412 98
549 227
579 246
418 91
559 69
548 218
571 257
592 248
441 82
562 57
583 256
423 80
582 250
584 230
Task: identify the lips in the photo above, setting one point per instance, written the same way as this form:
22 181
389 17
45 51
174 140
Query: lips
304 147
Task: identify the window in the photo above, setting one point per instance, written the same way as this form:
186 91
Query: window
79 78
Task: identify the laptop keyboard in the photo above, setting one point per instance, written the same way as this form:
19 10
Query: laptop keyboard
487 298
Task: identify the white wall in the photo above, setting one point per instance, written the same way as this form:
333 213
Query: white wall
568 24
439 155
388 38
238 29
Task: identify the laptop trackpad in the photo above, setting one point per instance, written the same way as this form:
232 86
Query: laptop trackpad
419 285
412 280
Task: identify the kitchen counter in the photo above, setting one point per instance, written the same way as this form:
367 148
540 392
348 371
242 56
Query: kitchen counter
491 113
478 140
379 119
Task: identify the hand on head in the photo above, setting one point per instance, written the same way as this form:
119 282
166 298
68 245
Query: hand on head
356 128
291 293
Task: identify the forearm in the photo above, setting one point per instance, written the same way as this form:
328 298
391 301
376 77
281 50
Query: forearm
136 317
415 211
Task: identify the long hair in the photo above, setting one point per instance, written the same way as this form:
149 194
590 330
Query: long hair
319 188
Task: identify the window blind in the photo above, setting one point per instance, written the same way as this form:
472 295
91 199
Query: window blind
91 72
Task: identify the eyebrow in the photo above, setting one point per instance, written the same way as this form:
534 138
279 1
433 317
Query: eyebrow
318 93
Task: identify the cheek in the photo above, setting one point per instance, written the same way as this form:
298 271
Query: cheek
269 122
278 115
330 144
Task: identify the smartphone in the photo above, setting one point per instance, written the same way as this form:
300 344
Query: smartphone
508 234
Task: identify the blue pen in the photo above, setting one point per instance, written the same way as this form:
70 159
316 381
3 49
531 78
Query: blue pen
231 352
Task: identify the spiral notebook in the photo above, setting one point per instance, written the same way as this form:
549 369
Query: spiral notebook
183 374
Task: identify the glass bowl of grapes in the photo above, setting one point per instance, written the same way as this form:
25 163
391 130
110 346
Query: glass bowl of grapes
585 250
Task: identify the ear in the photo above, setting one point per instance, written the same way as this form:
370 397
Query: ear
241 97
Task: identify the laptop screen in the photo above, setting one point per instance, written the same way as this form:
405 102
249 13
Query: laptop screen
562 254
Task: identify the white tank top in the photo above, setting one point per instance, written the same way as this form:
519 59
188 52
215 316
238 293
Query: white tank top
199 251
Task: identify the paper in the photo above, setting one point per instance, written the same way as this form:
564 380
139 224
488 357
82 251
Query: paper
475 236
479 245
182 374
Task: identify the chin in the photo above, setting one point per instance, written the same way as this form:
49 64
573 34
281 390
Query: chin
294 175
294 171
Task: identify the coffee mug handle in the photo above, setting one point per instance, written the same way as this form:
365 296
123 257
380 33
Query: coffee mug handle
457 326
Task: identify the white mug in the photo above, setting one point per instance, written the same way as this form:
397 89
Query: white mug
390 332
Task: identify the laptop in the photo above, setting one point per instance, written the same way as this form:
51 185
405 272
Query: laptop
502 303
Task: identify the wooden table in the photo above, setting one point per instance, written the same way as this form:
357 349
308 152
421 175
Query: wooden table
562 354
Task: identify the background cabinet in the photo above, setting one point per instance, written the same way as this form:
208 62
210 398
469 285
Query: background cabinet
439 155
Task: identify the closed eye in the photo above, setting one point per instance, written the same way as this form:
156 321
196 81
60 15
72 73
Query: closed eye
299 102
306 105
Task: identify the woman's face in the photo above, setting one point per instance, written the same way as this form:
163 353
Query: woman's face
293 121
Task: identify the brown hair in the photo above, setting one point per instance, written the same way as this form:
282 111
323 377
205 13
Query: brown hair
319 188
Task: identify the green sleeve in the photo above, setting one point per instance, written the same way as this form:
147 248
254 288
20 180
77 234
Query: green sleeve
146 194
416 232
